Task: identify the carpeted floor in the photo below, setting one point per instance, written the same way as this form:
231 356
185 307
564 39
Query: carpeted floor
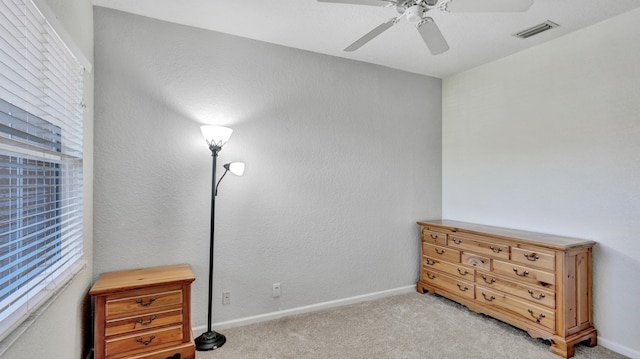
408 326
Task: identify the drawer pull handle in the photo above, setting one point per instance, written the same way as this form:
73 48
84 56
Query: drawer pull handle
151 338
488 299
532 257
457 241
151 319
524 274
462 289
151 300
493 280
534 297
496 250
539 318
432 236
429 262
461 273
431 276
440 252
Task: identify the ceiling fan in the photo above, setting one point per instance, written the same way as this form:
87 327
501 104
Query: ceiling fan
416 12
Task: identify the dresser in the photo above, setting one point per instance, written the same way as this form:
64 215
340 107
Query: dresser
536 282
144 313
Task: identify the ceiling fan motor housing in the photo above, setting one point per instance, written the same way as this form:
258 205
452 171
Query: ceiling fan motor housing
415 12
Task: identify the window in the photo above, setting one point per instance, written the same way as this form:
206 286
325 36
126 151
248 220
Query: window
40 160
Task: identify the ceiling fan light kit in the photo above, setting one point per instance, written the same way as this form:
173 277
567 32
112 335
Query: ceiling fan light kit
415 11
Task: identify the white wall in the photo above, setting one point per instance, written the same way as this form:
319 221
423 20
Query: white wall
549 140
342 158
63 330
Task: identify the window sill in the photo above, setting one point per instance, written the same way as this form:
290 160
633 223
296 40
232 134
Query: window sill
12 335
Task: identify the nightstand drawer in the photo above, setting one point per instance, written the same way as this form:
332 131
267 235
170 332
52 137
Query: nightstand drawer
142 304
143 341
143 322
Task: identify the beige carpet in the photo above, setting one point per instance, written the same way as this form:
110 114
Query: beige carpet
408 326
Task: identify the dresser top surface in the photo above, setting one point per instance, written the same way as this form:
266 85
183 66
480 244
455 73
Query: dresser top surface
544 239
141 278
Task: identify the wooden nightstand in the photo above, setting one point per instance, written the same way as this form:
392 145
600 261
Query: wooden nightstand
144 314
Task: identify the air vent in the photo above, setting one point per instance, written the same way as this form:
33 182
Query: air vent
547 25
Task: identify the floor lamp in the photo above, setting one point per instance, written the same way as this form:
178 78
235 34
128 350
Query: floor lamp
216 137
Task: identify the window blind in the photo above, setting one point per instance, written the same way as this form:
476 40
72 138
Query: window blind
40 160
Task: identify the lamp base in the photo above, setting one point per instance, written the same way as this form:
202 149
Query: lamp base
209 341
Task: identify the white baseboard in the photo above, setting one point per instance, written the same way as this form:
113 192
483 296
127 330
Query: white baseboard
620 349
306 309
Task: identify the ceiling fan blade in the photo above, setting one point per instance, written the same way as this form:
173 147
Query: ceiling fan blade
363 2
487 5
432 36
371 35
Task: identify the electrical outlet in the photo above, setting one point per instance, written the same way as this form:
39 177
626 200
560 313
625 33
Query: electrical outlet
276 290
226 297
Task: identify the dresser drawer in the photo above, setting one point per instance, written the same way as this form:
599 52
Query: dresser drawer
143 322
448 283
475 260
141 304
524 309
146 340
455 270
443 253
533 257
530 292
479 246
433 237
522 273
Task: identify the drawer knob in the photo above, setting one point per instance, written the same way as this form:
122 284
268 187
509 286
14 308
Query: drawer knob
151 319
463 273
463 289
440 251
431 276
538 318
534 297
489 299
429 262
532 257
524 274
151 300
457 241
496 250
491 281
141 341
432 236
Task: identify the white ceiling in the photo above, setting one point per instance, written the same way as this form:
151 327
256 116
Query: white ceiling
474 38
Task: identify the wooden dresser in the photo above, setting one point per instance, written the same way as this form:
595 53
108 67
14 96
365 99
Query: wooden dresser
536 282
144 313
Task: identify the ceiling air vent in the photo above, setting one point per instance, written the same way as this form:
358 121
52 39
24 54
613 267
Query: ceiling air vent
535 30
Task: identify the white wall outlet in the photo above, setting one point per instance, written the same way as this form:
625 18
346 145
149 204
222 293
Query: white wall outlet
276 290
226 297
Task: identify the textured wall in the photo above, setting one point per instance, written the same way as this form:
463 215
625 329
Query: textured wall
63 330
549 140
342 158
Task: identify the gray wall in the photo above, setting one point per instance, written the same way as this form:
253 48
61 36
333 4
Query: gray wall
549 140
342 158
63 328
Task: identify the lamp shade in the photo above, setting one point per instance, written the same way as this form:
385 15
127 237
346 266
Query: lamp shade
237 168
216 135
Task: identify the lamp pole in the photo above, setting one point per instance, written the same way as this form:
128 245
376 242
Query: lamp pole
210 339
